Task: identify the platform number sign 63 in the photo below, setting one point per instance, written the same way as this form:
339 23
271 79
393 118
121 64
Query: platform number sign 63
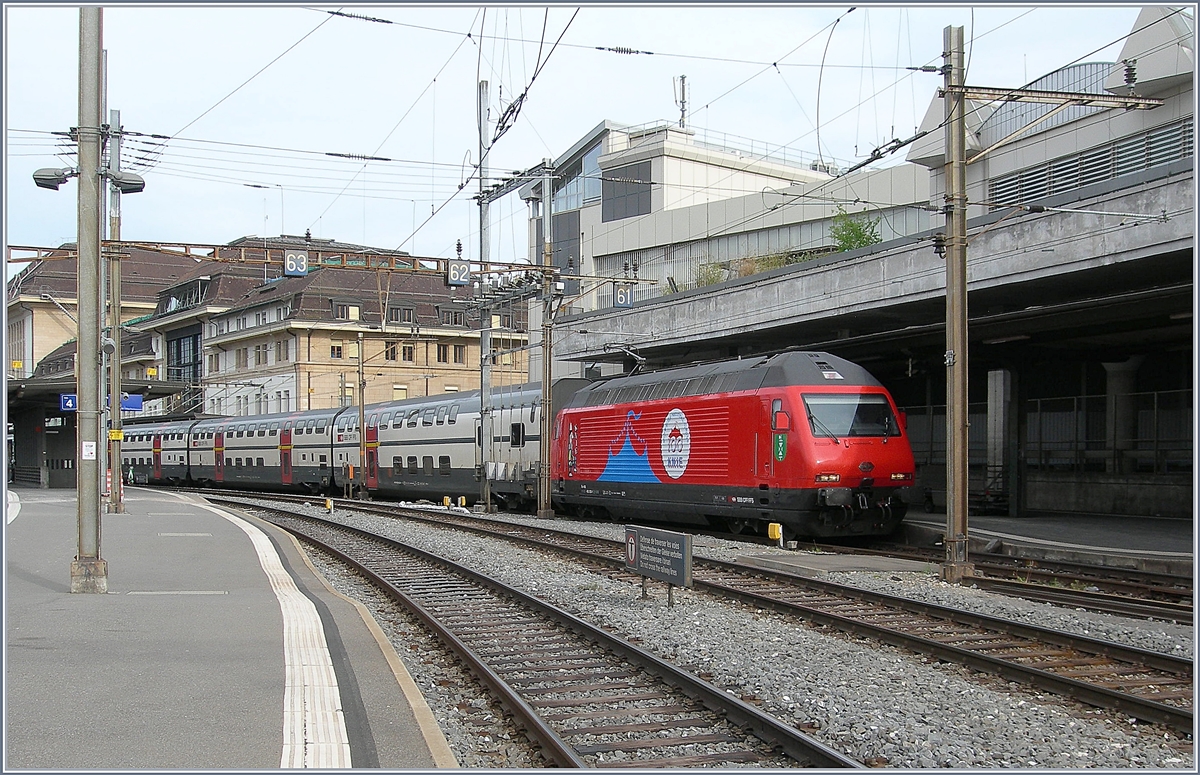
295 263
458 273
622 295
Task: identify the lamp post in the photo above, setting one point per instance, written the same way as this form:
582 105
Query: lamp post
89 573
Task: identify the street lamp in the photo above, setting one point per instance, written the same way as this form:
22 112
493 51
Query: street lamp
89 573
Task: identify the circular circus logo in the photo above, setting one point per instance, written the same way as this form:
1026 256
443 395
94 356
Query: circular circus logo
676 443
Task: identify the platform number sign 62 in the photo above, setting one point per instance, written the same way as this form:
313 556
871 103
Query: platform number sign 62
622 295
458 273
295 263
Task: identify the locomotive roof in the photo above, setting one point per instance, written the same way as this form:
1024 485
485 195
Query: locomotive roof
787 368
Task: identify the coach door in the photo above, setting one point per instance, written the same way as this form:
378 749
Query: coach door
219 455
285 453
372 444
157 456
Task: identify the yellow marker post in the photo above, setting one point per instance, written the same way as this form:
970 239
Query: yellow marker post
775 533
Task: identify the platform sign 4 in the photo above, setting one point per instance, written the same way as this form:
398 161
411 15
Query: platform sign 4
67 402
295 263
458 273
622 295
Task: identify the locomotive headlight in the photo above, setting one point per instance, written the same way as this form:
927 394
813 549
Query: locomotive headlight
902 477
829 477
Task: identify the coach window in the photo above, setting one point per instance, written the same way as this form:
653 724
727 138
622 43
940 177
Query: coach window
274 429
412 464
517 437
250 429
287 426
260 463
239 462
262 430
444 465
441 414
324 461
412 418
373 420
321 425
427 416
453 414
397 466
383 421
427 464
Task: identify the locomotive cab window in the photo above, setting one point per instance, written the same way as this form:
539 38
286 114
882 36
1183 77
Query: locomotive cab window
835 415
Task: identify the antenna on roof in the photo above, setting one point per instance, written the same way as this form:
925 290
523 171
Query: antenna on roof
681 100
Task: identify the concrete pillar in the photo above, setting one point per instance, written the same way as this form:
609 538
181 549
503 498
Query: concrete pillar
1120 410
998 429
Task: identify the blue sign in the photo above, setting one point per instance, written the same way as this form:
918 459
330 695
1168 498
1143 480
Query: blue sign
295 263
132 403
67 402
622 295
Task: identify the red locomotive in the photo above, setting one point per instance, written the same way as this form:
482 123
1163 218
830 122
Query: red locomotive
804 439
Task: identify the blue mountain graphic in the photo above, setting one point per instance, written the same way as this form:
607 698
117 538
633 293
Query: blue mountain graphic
628 466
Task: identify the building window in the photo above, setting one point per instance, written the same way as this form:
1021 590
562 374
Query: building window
399 393
401 315
451 318
460 353
260 354
242 357
443 353
282 348
626 192
345 311
214 363
335 348
390 350
408 353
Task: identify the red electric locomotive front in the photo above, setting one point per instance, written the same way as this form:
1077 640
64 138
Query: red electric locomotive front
805 439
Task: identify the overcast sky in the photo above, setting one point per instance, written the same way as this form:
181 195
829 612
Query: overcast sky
260 96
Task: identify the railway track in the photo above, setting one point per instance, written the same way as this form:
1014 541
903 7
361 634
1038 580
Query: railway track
1151 687
586 697
1121 591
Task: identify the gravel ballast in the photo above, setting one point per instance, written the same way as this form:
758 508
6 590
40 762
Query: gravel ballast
875 703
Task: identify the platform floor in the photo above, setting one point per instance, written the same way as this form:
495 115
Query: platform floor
216 646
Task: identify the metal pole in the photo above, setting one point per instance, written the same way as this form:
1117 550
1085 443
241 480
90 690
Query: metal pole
956 565
485 316
116 495
362 423
89 573
544 508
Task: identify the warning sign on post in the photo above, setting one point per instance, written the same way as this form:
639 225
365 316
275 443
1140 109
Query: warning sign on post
659 554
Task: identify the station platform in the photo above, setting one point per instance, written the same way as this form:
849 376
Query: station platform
1154 544
217 646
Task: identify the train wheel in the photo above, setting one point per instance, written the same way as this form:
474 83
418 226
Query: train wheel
737 526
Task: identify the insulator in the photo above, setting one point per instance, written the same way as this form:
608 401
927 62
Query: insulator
1130 72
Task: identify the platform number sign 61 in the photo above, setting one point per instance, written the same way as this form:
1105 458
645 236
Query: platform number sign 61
295 263
458 273
622 295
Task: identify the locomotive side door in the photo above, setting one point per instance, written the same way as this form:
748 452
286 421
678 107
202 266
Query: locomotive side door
285 453
764 444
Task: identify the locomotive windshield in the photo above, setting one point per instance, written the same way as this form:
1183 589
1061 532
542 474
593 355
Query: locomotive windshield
836 415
